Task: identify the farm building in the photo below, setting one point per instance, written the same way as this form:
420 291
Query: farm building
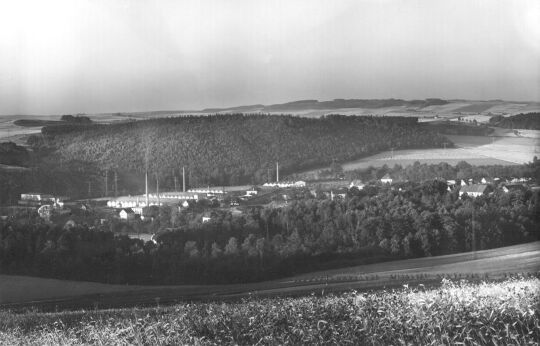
386 179
475 190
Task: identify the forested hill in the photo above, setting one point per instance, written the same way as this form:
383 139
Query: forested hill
230 149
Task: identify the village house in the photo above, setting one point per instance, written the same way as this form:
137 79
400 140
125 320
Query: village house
126 214
475 190
386 179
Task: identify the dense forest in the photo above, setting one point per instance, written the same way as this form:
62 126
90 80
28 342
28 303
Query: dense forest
373 224
231 149
528 121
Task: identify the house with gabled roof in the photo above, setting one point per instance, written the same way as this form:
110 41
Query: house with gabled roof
127 214
475 190
386 179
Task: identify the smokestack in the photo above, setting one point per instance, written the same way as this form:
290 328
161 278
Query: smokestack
277 172
183 179
146 187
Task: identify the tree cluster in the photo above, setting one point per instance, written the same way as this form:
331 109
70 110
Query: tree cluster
377 223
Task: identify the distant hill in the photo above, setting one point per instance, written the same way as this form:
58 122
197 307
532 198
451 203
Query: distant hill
334 104
235 148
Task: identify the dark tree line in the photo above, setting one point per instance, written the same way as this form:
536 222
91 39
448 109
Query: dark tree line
530 121
377 223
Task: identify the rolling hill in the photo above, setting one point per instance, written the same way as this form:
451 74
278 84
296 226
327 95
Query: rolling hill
232 149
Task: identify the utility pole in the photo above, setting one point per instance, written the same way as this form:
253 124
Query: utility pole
89 189
277 172
392 149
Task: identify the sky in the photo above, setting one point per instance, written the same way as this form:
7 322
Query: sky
93 56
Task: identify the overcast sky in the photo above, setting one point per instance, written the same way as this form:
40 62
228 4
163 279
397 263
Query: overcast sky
72 56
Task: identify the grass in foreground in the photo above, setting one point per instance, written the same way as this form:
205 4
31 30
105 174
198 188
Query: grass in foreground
456 313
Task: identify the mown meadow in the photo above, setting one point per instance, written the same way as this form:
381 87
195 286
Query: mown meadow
457 312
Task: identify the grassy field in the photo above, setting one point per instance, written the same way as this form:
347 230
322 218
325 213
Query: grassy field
457 312
21 292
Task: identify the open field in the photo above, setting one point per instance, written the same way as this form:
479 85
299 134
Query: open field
18 292
497 313
504 148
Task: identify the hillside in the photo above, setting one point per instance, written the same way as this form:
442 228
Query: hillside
231 149
493 264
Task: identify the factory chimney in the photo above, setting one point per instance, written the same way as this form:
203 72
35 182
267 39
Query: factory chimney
146 187
183 179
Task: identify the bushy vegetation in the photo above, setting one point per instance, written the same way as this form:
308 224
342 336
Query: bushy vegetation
13 154
233 149
374 224
529 121
500 313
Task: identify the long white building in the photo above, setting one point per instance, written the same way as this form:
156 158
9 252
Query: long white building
139 201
